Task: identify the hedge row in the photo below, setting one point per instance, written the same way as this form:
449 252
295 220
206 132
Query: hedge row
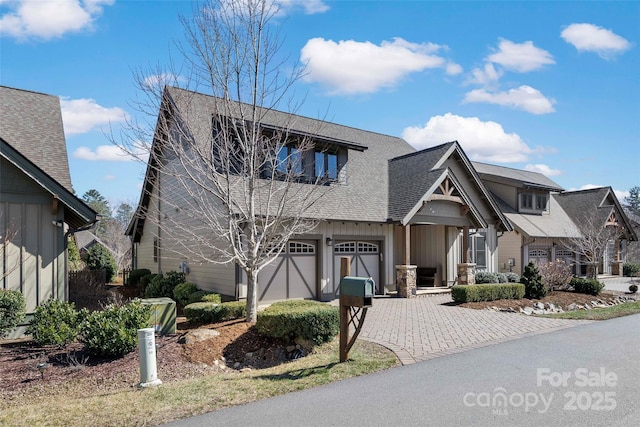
473 293
586 286
211 312
310 320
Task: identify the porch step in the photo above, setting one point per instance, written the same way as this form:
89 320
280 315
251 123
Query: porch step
425 292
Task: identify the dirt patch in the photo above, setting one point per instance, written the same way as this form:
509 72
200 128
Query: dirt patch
557 298
82 374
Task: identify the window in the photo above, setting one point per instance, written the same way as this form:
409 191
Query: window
289 160
533 202
301 248
155 249
478 248
326 165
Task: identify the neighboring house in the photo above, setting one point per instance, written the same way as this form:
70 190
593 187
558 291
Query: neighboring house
545 218
391 209
37 205
85 240
633 248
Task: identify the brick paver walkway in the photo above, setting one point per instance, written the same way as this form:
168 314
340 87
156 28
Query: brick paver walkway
423 328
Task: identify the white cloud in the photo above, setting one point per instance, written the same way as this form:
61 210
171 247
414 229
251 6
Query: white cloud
520 57
49 19
543 169
453 69
82 115
591 38
310 7
621 195
486 76
109 153
524 98
482 141
351 67
109 177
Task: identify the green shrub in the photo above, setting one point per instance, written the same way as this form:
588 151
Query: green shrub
486 277
144 282
532 281
99 258
114 331
182 292
630 269
56 323
473 293
196 296
136 275
633 288
310 320
12 310
210 312
512 277
162 286
210 297
502 278
586 286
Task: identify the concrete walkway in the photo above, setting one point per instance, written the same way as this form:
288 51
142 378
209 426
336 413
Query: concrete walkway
424 328
617 283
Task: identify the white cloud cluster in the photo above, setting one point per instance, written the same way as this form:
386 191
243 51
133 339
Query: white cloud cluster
523 98
520 57
482 141
49 19
543 169
351 67
591 38
110 153
83 115
517 57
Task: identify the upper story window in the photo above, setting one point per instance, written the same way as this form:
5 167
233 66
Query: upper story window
326 165
290 160
533 202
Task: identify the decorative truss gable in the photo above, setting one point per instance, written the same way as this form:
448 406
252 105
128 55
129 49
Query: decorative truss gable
447 191
612 220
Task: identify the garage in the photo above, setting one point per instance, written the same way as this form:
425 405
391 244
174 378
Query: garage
292 275
365 260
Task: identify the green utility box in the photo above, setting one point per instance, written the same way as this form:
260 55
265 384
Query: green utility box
163 315
357 291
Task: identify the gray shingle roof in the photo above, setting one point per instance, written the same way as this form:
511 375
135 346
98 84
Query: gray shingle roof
597 203
521 178
410 177
556 223
365 195
31 123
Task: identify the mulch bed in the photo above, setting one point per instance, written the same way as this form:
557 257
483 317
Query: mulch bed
558 298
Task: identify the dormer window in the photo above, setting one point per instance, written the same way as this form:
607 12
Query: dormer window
533 202
326 165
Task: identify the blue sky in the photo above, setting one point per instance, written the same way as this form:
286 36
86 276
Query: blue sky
546 86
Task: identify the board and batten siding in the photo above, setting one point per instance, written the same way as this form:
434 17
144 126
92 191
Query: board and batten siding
510 246
35 259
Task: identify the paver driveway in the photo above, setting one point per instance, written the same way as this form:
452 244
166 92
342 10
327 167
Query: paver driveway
423 328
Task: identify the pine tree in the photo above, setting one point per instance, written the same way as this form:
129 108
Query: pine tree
532 281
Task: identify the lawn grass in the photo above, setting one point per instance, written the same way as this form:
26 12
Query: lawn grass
611 312
196 396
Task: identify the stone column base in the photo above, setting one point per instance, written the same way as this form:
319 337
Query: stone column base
616 268
467 273
406 281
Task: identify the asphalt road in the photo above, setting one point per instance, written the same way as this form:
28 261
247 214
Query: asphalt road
582 376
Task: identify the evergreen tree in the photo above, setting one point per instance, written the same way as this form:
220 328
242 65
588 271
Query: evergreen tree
532 281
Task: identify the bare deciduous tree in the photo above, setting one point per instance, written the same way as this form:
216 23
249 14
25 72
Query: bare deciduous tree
592 244
235 186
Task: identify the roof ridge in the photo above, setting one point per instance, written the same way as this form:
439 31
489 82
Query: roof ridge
424 150
295 114
29 91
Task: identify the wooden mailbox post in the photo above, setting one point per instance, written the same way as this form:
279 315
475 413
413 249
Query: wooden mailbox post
356 296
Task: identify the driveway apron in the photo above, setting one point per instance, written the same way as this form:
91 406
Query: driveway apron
424 328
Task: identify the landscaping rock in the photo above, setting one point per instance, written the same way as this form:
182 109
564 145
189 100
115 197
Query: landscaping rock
528 311
538 305
573 306
198 335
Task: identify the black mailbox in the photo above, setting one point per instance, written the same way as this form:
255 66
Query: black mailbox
357 291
